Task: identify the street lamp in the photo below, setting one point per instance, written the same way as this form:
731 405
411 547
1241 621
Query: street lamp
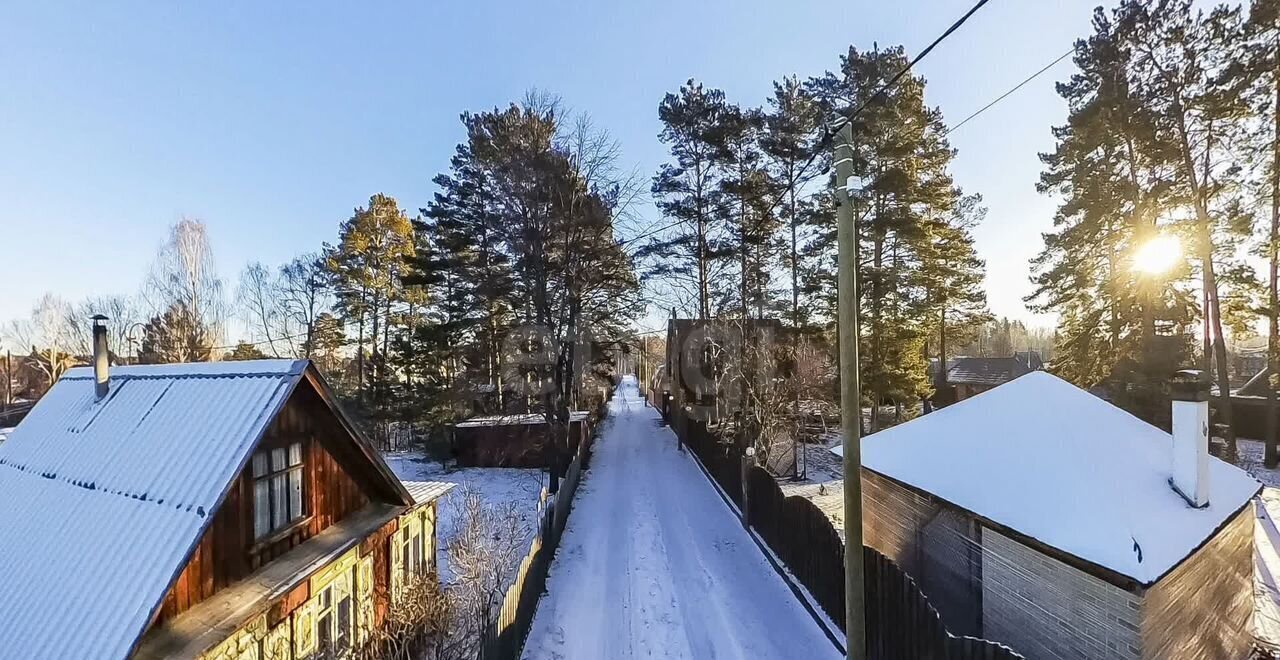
133 341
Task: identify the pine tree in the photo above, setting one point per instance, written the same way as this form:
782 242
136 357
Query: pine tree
748 194
951 276
1179 53
1257 77
543 199
1113 173
366 265
689 256
177 335
791 136
900 159
245 351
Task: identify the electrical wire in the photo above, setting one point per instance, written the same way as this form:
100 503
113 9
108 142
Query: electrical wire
1012 90
825 142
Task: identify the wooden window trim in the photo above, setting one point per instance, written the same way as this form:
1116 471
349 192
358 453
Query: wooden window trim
304 469
280 534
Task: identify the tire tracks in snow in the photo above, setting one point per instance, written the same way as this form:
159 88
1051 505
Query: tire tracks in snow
653 565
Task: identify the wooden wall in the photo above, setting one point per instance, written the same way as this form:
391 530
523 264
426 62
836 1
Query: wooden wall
1203 608
227 552
933 542
510 445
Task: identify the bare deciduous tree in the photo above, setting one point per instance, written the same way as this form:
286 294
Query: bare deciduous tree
121 310
184 275
47 335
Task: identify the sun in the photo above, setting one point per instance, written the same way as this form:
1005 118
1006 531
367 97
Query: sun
1157 255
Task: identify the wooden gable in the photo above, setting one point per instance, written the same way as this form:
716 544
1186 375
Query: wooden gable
339 479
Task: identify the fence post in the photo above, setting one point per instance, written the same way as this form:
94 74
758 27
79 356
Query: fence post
748 458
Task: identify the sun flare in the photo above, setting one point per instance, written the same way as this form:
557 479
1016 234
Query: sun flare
1157 255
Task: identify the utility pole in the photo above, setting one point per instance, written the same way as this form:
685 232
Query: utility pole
8 379
850 400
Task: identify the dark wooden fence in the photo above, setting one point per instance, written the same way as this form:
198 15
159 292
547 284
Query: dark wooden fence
900 622
802 536
504 635
722 459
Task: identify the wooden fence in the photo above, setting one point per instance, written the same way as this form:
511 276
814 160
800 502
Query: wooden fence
504 635
722 459
900 622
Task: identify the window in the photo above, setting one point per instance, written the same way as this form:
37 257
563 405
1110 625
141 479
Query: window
277 489
334 621
324 621
411 556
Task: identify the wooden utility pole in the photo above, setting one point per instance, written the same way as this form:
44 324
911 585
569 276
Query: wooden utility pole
850 401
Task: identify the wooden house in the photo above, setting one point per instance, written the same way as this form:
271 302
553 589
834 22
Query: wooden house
700 350
967 376
216 510
1042 517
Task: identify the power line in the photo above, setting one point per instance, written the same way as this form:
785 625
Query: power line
825 142
1012 90
898 76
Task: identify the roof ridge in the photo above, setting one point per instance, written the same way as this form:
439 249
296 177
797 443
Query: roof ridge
170 376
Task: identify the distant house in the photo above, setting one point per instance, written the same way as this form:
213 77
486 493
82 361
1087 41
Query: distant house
217 510
517 440
699 349
1042 517
1248 357
971 375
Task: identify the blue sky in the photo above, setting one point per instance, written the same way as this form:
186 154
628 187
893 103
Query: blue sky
272 121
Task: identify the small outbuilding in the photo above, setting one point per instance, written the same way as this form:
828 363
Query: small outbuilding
226 511
515 440
1042 517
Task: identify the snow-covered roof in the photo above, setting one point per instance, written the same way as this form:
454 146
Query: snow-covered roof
523 419
427 491
102 501
1055 463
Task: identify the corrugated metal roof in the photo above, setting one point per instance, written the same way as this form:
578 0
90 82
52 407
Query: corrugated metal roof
987 370
101 502
426 491
520 419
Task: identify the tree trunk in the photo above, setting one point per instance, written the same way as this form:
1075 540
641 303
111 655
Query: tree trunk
360 349
1272 457
941 379
704 294
795 258
1212 310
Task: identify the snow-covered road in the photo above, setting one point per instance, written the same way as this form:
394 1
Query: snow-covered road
654 565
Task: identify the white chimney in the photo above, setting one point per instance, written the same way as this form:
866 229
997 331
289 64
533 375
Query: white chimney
101 357
1190 478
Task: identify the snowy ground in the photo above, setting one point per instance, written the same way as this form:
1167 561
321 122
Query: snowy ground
823 485
654 565
518 487
1249 454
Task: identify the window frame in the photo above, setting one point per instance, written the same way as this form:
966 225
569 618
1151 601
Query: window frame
269 479
332 636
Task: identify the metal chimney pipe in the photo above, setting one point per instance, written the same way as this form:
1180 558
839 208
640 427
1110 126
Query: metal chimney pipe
101 357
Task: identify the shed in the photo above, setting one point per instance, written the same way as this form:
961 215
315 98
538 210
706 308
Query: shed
516 440
200 510
1042 517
